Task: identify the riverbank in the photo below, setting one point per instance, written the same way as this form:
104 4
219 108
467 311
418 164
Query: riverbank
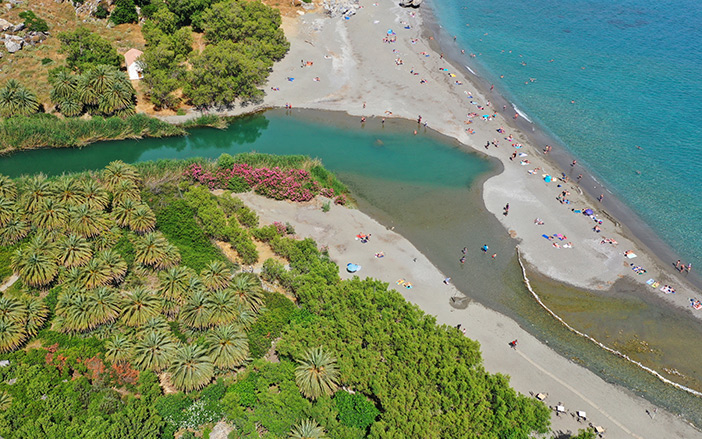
533 367
347 65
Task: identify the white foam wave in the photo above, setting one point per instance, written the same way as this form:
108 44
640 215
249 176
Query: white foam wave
521 113
471 70
607 348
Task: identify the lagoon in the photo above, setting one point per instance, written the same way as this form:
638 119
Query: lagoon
427 187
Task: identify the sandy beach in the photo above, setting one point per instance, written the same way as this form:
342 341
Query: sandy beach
533 367
380 64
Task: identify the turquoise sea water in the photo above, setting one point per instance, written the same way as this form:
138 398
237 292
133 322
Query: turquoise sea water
633 69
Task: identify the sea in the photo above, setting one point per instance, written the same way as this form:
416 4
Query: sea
617 83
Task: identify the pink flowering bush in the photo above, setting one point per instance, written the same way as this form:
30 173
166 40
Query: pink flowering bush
291 184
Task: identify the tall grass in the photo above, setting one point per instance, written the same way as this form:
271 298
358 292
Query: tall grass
46 130
207 120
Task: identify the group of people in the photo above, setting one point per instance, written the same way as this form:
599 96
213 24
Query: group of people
682 267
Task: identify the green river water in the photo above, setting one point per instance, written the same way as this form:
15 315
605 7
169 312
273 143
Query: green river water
428 187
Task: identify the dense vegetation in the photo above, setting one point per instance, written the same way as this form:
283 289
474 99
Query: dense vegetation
115 304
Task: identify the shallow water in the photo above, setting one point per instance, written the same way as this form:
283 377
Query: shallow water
632 69
429 190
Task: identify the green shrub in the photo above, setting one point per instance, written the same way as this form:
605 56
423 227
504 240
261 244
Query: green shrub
6 254
101 11
265 233
238 184
270 323
33 23
177 222
213 219
326 206
242 243
247 217
355 410
225 161
124 12
274 271
46 61
328 179
181 112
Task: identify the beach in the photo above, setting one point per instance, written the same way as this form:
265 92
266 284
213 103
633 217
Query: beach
381 63
533 367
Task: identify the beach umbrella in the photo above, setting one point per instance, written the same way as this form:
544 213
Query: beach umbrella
547 179
352 268
588 212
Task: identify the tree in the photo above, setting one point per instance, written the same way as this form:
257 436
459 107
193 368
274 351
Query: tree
114 264
94 195
52 215
106 91
307 429
16 229
106 304
33 23
74 311
8 189
248 290
317 374
35 267
229 347
150 249
588 433
255 26
95 273
189 12
142 219
86 222
197 310
215 276
73 251
154 352
17 100
35 191
140 306
85 50
117 171
118 349
68 191
225 72
124 12
191 369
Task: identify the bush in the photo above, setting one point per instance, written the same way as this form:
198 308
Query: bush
225 161
101 11
33 23
46 61
326 206
177 222
181 112
124 12
265 233
270 323
355 410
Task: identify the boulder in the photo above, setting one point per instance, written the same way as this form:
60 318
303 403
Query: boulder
13 46
18 27
5 25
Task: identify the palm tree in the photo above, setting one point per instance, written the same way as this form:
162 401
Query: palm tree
35 191
140 306
317 374
12 335
154 351
68 191
197 310
142 219
37 312
114 263
106 90
73 251
107 239
7 210
155 324
95 273
123 212
37 268
191 369
173 283
248 290
119 97
117 171
245 318
74 311
16 229
106 304
224 307
51 215
215 276
86 222
8 189
125 190
12 310
171 258
94 194
229 347
150 249
307 429
118 349
5 400
17 100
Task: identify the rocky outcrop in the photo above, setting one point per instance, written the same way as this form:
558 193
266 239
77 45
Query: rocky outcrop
15 43
5 25
344 8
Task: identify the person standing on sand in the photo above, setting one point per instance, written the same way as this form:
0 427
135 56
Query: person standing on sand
463 259
600 198
494 255
507 209
484 248
677 264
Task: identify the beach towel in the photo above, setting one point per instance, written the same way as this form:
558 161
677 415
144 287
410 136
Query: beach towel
630 255
650 282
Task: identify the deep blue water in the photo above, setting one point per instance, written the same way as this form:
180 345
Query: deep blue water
633 69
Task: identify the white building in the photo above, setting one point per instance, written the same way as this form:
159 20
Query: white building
133 68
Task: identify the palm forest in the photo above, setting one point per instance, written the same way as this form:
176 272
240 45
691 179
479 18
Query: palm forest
129 309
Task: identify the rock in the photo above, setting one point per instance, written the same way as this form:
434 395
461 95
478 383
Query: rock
5 25
13 46
18 27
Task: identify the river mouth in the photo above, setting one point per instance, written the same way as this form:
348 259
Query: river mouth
428 187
